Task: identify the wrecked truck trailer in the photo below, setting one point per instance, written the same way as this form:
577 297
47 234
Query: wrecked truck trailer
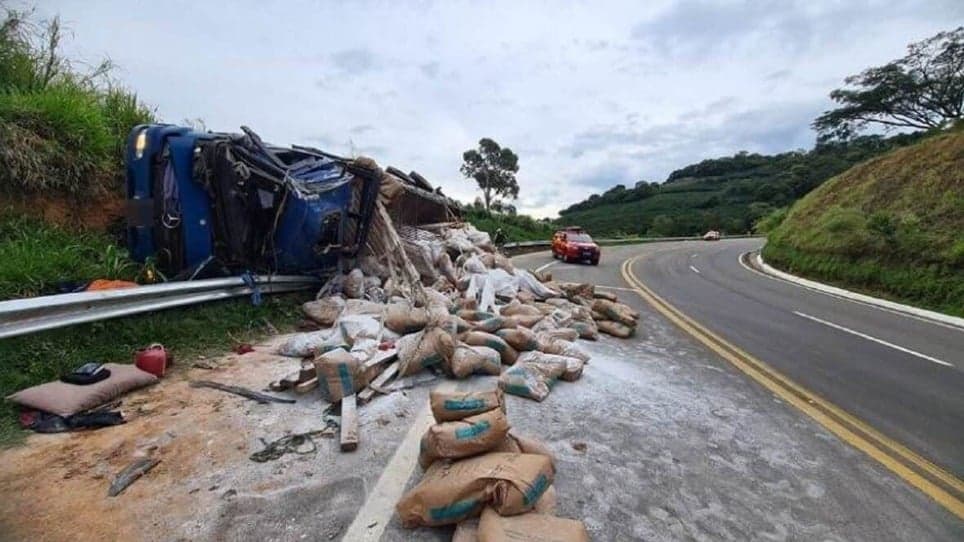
209 204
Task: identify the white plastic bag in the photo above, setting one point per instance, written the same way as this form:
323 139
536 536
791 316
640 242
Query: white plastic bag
314 342
358 326
527 281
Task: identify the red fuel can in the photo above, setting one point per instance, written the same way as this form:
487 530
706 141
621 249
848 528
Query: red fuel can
153 359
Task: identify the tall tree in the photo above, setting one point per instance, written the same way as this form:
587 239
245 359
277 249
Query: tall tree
923 90
493 167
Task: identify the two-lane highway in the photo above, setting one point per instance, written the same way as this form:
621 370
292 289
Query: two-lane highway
902 375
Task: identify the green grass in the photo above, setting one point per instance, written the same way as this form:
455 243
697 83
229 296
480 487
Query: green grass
35 258
188 332
891 226
62 130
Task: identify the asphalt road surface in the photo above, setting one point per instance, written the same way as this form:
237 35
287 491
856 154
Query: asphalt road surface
700 451
902 375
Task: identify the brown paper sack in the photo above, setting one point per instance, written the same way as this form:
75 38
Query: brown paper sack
451 492
530 528
520 338
463 438
491 325
468 360
521 444
431 346
339 375
616 329
623 314
528 320
402 318
457 405
481 338
324 311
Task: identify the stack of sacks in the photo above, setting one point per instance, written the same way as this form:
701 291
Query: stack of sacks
472 461
615 318
594 311
467 424
472 313
471 423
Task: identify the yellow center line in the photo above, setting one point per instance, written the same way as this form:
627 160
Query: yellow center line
839 422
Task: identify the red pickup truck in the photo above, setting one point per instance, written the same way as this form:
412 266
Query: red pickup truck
573 244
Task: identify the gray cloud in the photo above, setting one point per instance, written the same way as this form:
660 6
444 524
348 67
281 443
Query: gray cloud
778 75
353 61
588 96
429 69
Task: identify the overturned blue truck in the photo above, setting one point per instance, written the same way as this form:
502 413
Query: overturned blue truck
204 204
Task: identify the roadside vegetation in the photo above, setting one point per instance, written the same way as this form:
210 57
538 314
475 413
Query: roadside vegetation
37 258
63 129
891 227
730 194
209 329
63 124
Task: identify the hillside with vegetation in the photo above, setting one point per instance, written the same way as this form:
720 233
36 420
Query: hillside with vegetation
729 194
63 125
893 226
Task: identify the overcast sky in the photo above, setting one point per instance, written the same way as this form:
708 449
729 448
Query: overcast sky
588 94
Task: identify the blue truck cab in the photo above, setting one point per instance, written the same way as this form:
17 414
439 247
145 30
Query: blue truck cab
220 203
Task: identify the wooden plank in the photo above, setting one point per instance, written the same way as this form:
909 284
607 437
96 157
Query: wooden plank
378 362
306 386
349 424
366 394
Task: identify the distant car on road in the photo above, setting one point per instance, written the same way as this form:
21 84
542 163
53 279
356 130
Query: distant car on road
711 235
573 244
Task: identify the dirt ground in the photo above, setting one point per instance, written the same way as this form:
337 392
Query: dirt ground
54 487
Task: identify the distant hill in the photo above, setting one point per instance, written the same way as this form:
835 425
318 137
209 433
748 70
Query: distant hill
893 225
729 193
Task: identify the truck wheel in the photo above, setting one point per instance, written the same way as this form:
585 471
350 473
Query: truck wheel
595 261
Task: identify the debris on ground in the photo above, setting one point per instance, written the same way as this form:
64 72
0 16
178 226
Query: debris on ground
261 398
130 474
298 443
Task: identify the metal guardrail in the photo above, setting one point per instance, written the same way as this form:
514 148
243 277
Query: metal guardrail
24 316
624 241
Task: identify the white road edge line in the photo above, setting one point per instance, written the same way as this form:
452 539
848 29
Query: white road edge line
850 299
547 266
372 518
874 339
695 270
604 287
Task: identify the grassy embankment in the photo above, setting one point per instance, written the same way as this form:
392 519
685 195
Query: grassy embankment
892 226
